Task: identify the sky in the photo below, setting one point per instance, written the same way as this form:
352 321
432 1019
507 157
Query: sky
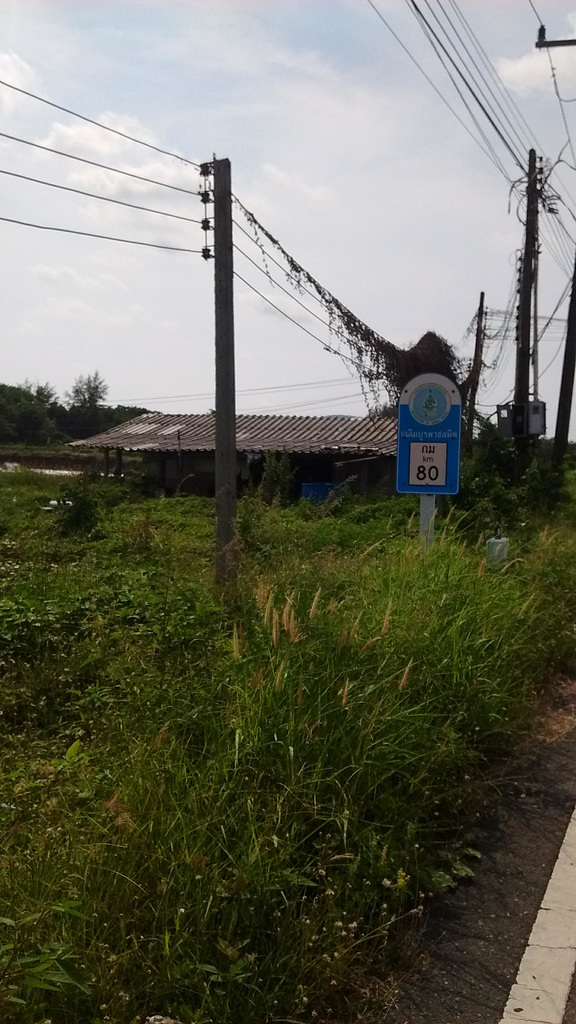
338 144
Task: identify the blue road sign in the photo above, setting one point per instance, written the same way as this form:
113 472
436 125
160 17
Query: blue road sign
428 459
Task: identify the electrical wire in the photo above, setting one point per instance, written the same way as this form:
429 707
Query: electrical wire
246 391
432 83
340 399
325 345
505 141
94 163
281 286
495 158
99 124
561 104
92 234
562 298
482 85
94 195
268 256
553 360
509 100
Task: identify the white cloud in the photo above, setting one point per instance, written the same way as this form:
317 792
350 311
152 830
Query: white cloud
17 72
317 192
89 140
61 274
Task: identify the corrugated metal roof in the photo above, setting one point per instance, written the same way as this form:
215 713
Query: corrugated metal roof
195 432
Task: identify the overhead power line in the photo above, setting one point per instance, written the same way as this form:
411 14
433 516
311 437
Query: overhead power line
92 234
246 391
433 84
94 195
325 345
268 256
281 286
553 360
509 100
340 399
94 163
501 135
561 105
469 62
99 124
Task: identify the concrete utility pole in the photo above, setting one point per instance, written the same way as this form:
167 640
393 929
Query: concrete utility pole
225 455
566 383
523 337
535 334
475 372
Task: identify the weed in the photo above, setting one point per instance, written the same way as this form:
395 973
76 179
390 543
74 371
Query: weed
244 803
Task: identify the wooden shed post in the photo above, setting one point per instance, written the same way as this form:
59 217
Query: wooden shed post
118 463
106 463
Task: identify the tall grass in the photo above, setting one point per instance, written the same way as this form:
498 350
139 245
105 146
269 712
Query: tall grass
244 805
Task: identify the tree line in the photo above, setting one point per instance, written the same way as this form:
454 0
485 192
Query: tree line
32 413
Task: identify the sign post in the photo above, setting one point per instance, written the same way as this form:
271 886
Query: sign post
428 459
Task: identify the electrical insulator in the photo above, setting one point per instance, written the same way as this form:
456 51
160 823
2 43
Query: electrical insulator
206 225
206 254
206 198
206 170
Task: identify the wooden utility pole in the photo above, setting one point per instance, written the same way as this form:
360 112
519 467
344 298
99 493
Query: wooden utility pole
225 455
474 378
523 338
566 383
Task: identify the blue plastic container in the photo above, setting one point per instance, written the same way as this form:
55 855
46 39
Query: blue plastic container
317 492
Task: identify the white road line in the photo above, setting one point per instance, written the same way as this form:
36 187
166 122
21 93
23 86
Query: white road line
542 986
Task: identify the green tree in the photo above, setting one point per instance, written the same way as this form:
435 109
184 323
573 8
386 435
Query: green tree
87 392
23 417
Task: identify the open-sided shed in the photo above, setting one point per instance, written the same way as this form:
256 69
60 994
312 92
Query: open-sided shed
178 449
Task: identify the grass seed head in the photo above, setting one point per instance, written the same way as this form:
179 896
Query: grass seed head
279 676
386 622
345 693
236 642
268 608
526 603
256 680
162 735
286 616
369 644
275 627
481 568
404 679
354 629
314 605
261 593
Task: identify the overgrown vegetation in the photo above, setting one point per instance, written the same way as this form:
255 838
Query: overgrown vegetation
230 813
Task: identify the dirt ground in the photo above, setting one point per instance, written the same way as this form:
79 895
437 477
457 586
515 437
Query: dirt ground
468 952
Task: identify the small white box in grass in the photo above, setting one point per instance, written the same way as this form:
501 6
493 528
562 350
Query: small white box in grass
496 551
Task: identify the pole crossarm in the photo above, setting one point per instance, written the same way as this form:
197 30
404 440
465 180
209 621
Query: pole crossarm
546 44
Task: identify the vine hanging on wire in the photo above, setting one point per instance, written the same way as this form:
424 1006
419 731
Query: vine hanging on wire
381 365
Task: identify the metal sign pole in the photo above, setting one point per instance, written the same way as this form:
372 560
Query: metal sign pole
427 516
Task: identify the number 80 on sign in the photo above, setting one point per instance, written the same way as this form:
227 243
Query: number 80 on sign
427 464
